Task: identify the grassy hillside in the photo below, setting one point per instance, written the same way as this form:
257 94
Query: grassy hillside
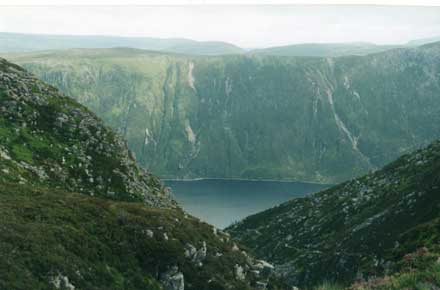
78 213
312 119
382 223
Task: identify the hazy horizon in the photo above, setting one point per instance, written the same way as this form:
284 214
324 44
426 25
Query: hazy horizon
251 26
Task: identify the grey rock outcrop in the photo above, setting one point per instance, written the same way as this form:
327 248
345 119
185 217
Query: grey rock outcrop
196 256
239 272
173 279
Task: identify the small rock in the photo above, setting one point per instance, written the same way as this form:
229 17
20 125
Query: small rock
239 272
62 282
149 233
4 155
190 251
201 253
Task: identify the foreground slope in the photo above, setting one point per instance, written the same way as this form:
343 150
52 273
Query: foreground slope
312 119
78 213
52 239
361 228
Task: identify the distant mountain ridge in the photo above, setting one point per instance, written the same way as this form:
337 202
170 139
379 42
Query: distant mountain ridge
22 42
324 49
16 42
423 41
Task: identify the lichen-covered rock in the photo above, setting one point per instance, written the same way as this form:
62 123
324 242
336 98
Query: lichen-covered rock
239 272
190 251
196 255
149 233
62 282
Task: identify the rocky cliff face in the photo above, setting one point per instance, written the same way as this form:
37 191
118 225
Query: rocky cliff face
357 230
78 213
316 119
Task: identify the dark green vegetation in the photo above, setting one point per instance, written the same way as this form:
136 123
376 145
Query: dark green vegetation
90 243
382 223
313 119
16 42
78 213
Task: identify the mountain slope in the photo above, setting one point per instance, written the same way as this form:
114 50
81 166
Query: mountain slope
78 213
361 228
311 119
16 42
48 139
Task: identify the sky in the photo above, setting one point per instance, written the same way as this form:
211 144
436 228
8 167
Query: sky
249 26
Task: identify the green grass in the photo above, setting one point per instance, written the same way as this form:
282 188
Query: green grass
22 153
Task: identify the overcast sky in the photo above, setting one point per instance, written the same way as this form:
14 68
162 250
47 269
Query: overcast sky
246 26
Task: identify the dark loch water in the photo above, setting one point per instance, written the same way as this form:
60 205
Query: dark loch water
221 202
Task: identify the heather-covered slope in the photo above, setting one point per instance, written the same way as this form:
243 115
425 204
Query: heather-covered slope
312 119
359 229
52 239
